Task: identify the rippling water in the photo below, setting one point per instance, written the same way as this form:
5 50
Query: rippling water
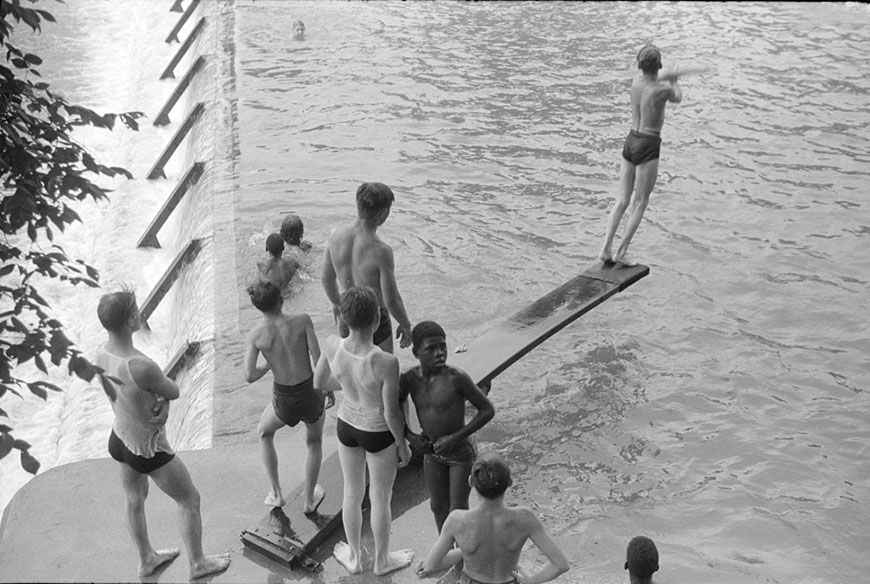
720 405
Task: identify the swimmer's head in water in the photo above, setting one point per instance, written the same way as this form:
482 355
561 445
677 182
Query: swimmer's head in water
373 198
265 296
490 475
642 557
298 30
649 59
292 229
275 244
359 307
117 309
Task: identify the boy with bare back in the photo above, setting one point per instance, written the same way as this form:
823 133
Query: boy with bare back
277 269
650 93
356 256
490 535
439 392
289 344
370 429
140 394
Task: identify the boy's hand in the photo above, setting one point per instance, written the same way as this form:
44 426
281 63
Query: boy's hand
404 453
330 399
403 333
419 443
160 411
421 570
444 444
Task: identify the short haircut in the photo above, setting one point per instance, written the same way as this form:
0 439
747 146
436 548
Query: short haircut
359 307
292 229
642 557
275 244
490 475
649 59
265 295
372 198
424 330
114 309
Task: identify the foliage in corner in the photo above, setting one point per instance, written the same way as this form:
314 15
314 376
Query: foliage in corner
43 174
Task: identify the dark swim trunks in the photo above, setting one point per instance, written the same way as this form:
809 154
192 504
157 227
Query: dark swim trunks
295 403
466 579
641 147
381 334
368 441
464 453
119 451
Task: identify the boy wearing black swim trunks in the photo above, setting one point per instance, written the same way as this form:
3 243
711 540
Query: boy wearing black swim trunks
289 344
650 93
439 392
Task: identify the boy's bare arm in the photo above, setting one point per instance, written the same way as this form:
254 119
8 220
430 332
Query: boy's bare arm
485 411
311 339
386 367
252 371
329 279
442 555
148 375
558 563
392 298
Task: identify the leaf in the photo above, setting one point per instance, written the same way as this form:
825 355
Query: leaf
6 443
32 59
29 463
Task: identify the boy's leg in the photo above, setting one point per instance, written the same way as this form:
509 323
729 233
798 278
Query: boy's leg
382 473
437 477
626 186
460 489
136 490
353 468
174 480
314 442
647 173
269 423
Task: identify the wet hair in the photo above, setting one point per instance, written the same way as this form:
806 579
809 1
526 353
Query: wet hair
292 229
275 244
490 475
372 198
358 306
114 309
649 59
424 330
265 296
641 557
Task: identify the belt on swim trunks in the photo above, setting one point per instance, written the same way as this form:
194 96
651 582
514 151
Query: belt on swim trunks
637 134
466 579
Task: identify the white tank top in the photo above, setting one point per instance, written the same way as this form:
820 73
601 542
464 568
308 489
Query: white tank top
356 371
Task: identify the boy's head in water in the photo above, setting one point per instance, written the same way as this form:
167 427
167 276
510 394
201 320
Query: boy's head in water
298 30
275 245
292 229
641 559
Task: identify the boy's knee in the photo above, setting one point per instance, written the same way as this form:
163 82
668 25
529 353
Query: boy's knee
263 432
314 441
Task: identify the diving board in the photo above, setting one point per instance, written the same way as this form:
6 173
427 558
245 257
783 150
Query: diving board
483 359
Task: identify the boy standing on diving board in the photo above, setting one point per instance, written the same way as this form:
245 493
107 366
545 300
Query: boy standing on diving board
439 392
289 344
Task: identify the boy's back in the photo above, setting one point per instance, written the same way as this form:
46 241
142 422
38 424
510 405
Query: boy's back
279 271
285 343
359 257
491 540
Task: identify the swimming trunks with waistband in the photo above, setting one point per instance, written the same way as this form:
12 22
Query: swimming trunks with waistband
381 334
140 464
356 438
641 147
466 579
460 454
295 403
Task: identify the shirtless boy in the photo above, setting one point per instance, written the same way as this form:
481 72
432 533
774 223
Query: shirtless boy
370 430
277 269
140 402
289 344
491 536
641 560
356 256
650 93
439 392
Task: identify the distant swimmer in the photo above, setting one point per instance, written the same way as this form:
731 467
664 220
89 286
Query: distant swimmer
439 392
292 231
298 30
370 430
289 344
356 256
490 536
140 399
277 269
650 93
641 560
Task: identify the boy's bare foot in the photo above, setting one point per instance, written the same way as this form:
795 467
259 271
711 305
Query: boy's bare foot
319 496
605 257
274 500
345 556
160 559
624 260
395 561
210 565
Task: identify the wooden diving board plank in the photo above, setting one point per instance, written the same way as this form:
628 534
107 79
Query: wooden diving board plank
484 359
